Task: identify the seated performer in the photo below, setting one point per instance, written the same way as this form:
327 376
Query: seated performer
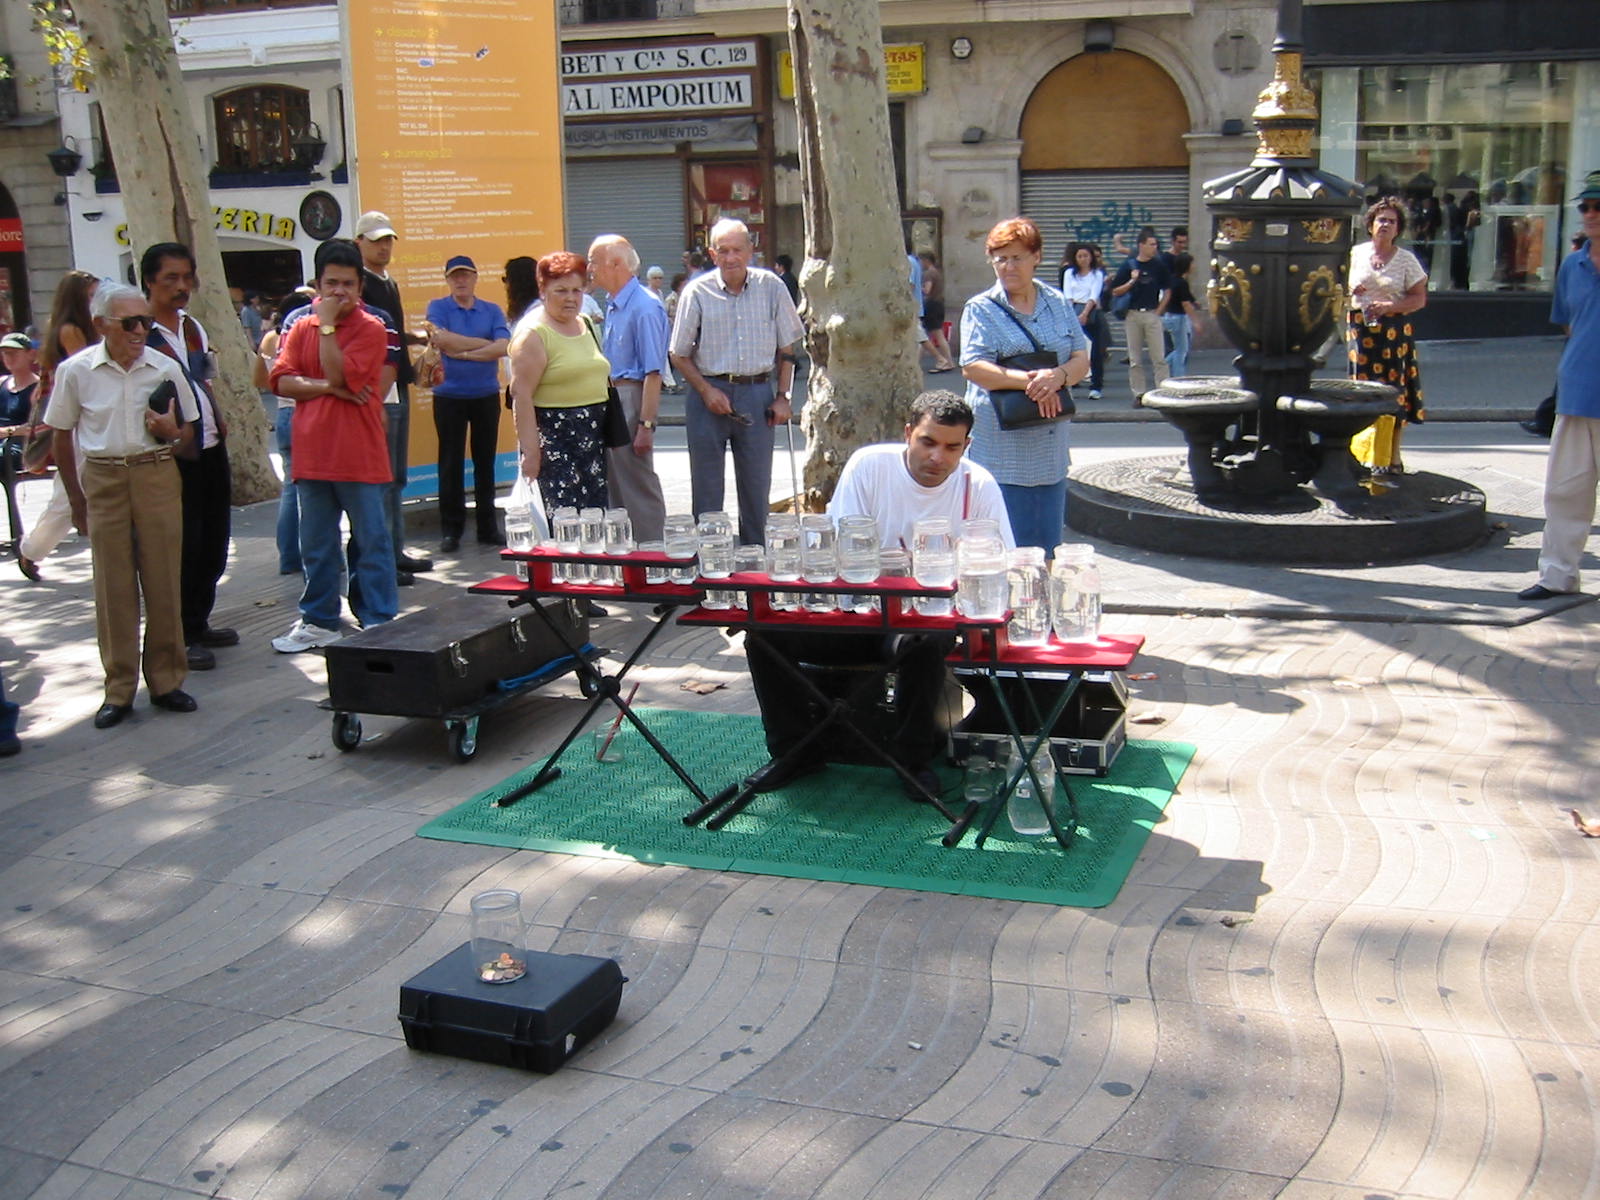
898 485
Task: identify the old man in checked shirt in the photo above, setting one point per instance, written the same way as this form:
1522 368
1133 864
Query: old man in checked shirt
736 327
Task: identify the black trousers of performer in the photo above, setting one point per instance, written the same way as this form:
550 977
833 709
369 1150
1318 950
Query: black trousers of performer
788 715
453 419
207 527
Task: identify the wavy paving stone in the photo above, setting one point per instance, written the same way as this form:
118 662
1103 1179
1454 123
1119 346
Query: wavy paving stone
204 924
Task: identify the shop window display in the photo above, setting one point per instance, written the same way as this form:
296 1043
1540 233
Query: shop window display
1479 152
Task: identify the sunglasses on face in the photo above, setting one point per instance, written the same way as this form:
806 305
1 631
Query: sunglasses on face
1589 206
129 324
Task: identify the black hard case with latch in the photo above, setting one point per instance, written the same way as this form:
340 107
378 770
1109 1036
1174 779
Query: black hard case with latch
448 657
535 1023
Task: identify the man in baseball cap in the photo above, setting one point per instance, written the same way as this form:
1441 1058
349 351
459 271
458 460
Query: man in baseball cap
472 336
375 238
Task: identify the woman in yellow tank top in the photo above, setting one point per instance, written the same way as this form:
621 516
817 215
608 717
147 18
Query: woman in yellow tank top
558 389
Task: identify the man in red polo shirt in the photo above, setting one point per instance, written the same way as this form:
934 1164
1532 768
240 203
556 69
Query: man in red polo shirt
330 364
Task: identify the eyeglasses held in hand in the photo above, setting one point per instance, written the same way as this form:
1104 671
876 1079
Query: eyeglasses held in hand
137 321
739 418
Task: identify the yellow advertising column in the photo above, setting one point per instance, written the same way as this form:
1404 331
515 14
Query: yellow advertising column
455 133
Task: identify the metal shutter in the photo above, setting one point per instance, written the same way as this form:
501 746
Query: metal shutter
1089 206
641 198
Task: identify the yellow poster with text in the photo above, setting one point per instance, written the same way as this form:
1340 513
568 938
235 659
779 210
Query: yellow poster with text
455 123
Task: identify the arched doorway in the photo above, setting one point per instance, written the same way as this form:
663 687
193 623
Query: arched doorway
1103 151
15 310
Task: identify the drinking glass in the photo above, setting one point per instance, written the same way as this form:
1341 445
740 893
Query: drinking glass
819 559
858 560
715 535
519 535
498 937
981 570
783 557
680 540
565 528
933 562
654 573
748 560
1028 588
618 542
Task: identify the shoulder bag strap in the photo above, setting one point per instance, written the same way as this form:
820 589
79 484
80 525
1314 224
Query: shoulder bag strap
1028 333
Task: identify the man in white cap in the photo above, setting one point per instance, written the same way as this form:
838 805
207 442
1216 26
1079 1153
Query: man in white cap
375 238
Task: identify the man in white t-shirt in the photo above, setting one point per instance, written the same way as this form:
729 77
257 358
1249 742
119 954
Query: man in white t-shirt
898 484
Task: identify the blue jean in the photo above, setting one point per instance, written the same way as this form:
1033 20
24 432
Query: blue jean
1038 514
1176 326
321 503
709 438
288 502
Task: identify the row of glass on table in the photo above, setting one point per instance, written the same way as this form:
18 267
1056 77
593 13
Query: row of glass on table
1060 600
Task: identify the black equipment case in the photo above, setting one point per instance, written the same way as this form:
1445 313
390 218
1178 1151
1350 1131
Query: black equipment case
535 1023
448 658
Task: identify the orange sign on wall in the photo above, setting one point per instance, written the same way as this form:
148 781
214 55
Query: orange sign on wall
456 135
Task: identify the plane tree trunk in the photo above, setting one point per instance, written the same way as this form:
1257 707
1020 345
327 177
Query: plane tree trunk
861 318
164 191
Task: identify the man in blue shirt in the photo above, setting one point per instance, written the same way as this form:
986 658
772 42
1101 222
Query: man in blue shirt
1573 469
472 336
636 347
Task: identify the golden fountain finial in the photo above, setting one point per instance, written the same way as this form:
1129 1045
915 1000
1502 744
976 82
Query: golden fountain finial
1286 114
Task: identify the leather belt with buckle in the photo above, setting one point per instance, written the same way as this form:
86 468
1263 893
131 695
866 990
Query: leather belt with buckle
761 378
160 454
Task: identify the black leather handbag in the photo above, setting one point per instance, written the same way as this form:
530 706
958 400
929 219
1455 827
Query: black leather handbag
614 431
1012 407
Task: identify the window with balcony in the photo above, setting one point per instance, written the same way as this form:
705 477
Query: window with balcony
258 128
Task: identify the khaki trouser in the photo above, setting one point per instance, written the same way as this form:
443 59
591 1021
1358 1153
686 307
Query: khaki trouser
1144 331
1572 472
136 536
631 480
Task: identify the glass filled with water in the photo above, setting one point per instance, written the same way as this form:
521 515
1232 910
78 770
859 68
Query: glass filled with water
566 528
519 536
933 562
1028 588
819 559
981 570
783 557
858 560
680 539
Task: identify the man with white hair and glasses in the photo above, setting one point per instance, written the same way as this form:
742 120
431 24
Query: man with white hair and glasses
129 407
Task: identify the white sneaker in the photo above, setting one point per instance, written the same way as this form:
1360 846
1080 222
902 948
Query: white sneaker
305 637
1094 393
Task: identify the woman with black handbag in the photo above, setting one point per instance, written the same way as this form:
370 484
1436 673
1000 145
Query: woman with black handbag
559 386
1022 347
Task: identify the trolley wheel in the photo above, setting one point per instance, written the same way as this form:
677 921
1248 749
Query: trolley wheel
463 740
346 730
588 682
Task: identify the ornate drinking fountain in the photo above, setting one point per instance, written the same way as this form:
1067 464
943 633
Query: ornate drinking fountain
1269 471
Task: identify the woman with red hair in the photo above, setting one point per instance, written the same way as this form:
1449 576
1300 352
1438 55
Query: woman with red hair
1020 315
558 389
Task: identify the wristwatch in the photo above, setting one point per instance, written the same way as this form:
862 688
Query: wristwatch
328 330
650 425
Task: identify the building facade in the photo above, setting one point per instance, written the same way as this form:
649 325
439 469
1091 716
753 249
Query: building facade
1095 117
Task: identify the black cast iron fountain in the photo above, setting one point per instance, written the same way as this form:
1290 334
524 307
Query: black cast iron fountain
1274 442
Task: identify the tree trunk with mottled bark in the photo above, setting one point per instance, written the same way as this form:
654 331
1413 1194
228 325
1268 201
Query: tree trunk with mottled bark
164 190
861 318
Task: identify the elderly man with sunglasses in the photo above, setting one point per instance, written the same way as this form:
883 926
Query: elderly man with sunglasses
1573 469
129 406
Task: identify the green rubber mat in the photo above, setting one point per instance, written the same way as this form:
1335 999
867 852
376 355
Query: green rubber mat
849 823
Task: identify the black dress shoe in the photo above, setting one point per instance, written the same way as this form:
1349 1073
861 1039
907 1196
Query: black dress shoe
111 714
414 562
210 636
404 579
1539 592
1534 428
450 543
200 659
177 700
777 774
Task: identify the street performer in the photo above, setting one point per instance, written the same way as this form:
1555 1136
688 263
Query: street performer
898 485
